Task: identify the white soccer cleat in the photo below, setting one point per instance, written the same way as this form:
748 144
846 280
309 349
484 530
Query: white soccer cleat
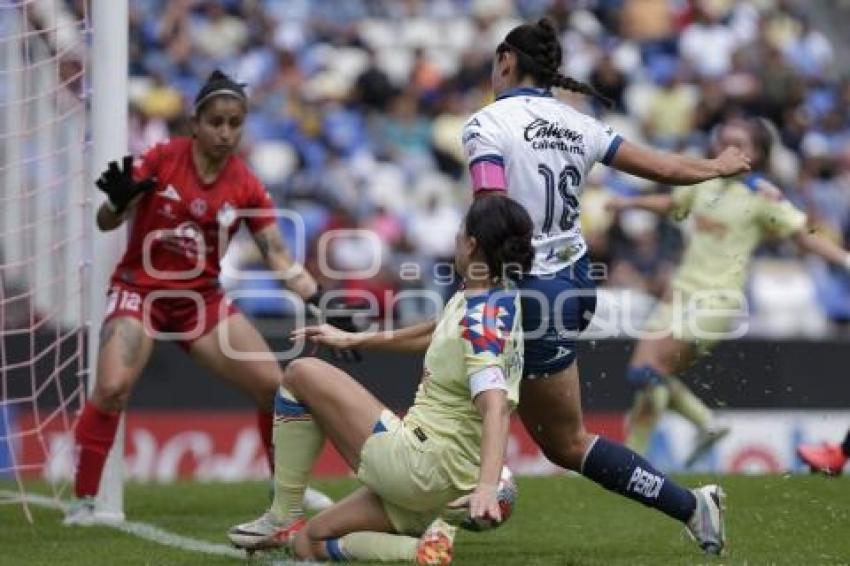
266 532
80 513
315 500
706 439
436 545
707 526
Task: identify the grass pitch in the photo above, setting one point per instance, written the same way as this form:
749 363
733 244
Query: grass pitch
558 521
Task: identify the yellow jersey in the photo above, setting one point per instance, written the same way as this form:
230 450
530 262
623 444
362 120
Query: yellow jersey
729 219
475 332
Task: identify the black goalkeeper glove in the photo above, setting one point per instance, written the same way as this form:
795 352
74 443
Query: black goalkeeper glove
339 314
119 186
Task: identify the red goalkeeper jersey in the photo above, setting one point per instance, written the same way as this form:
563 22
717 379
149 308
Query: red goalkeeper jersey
180 230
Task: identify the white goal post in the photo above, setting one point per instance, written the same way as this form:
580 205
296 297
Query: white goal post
44 240
109 68
63 117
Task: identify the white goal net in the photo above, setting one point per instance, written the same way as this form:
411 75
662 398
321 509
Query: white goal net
45 228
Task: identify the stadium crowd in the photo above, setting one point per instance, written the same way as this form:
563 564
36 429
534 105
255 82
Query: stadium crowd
358 106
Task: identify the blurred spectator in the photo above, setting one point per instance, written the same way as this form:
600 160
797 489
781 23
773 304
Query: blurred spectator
373 87
425 76
782 25
741 85
386 226
452 115
610 81
712 106
359 106
640 261
432 229
161 101
647 20
826 188
217 34
810 52
670 114
708 43
405 134
780 85
144 131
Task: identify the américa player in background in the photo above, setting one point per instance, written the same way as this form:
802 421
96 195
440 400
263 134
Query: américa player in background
730 218
450 444
180 197
539 151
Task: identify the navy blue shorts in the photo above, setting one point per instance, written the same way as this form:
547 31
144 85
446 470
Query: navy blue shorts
556 308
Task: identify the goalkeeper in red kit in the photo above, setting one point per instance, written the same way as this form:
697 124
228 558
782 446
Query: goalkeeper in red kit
184 198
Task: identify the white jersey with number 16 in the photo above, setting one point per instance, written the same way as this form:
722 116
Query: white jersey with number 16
540 151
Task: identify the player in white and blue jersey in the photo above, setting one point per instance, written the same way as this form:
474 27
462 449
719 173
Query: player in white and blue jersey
539 151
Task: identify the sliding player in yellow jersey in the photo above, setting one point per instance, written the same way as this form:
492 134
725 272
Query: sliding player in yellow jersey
450 445
730 218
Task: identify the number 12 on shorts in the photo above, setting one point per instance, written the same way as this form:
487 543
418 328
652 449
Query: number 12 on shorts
123 300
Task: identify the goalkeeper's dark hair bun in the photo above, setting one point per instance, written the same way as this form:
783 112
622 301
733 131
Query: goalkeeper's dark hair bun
217 75
219 84
502 229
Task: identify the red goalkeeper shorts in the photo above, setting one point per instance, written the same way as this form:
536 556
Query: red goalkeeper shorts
181 316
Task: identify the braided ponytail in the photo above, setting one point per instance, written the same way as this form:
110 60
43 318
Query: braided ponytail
539 55
569 83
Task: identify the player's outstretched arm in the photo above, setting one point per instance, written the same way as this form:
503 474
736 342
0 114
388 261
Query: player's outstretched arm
815 243
290 273
414 338
293 276
492 405
659 204
675 168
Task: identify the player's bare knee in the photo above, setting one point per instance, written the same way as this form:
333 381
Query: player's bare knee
659 363
670 358
292 374
652 355
569 449
122 347
111 395
298 371
577 448
665 364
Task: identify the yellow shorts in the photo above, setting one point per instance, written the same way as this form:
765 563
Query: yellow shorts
703 318
404 470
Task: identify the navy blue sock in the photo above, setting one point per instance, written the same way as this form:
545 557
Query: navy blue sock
618 469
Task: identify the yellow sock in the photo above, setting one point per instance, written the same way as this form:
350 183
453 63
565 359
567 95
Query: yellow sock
650 403
380 547
684 402
297 443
